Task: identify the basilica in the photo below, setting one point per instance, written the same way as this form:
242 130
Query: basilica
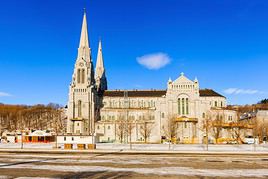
178 113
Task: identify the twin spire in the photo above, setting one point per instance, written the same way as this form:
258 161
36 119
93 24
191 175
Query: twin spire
84 52
99 64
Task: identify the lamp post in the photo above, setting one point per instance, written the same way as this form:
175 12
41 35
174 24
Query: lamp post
21 139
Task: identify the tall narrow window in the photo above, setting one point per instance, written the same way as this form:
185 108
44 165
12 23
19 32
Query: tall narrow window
187 106
216 103
179 106
183 107
78 75
83 75
79 108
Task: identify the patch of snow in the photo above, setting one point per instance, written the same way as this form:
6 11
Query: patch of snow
158 171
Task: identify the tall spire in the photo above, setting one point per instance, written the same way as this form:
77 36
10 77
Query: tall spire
100 77
84 49
99 65
84 34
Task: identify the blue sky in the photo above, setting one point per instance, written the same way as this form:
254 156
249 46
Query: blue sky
222 43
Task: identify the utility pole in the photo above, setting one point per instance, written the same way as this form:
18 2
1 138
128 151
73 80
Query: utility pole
21 131
128 125
207 133
21 139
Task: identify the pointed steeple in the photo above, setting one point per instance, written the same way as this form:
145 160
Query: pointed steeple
84 48
99 65
84 34
100 77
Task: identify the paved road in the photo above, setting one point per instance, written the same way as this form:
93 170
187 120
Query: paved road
114 165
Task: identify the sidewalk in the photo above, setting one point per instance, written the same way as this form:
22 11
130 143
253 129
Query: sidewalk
131 152
140 149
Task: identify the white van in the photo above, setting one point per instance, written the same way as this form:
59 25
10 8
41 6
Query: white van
250 140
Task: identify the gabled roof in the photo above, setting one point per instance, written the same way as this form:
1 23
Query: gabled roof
135 93
182 79
209 93
155 93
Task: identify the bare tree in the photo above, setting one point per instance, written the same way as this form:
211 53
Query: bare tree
130 126
171 129
146 128
205 127
120 124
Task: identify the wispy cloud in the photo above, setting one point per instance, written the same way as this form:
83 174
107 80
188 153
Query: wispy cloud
3 94
154 61
138 86
242 91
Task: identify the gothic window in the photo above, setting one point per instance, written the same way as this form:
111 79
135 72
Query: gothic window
187 106
179 106
83 75
79 108
183 107
78 75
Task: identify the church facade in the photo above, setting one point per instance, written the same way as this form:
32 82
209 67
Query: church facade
178 113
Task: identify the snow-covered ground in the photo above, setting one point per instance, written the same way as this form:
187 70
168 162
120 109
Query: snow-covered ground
156 171
158 166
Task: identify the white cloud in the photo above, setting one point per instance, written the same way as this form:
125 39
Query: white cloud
242 91
3 94
154 61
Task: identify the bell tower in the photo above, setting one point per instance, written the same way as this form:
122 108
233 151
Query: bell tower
82 91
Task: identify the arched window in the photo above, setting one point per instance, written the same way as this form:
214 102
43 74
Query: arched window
79 108
187 106
183 107
204 115
78 75
83 75
179 106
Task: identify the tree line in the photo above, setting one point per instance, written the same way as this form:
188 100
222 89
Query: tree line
38 117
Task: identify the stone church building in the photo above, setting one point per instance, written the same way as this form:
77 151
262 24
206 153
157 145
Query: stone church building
177 113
